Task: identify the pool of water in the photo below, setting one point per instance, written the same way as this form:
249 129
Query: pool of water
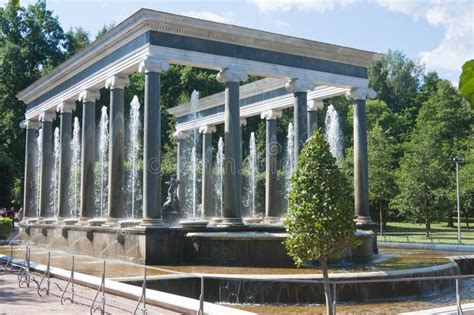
389 259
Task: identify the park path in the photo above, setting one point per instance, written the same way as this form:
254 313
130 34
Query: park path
26 301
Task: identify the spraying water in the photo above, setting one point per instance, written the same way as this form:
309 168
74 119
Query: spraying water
194 179
333 133
290 164
55 173
193 168
253 174
103 162
220 176
133 156
76 168
38 169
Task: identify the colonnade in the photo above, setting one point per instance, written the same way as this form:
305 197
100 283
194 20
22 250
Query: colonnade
305 121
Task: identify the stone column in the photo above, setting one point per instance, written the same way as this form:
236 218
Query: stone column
152 66
271 165
65 108
361 171
45 209
314 106
115 203
232 147
88 98
207 170
29 209
299 88
181 138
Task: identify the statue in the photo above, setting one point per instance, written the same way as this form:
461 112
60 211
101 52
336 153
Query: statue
170 211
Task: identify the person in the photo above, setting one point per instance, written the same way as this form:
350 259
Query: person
11 215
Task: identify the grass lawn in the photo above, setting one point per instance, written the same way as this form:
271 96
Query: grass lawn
415 233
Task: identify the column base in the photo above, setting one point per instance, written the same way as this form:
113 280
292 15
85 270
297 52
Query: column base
366 223
150 222
230 222
272 220
360 220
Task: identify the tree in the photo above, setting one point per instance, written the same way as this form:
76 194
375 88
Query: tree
396 79
76 39
467 180
104 30
382 186
30 44
466 82
444 113
421 177
320 220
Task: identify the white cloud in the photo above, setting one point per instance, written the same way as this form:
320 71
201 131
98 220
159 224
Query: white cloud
306 5
211 16
455 17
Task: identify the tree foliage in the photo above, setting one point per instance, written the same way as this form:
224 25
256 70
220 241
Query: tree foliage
466 82
382 153
319 220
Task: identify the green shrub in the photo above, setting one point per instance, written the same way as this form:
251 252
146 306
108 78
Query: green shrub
5 227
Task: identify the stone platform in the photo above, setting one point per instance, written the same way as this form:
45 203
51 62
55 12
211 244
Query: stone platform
256 246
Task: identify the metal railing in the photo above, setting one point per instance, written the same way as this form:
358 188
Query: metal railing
24 277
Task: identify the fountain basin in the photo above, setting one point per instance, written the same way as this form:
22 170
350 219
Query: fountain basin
48 221
31 221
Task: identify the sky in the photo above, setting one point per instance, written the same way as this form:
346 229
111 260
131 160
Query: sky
437 33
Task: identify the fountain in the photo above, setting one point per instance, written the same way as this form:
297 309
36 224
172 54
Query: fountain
74 185
102 176
333 133
290 164
38 171
252 189
219 186
194 220
133 157
55 173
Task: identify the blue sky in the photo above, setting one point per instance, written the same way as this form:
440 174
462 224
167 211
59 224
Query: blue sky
438 33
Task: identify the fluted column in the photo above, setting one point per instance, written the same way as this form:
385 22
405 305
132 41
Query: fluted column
45 209
207 170
314 106
88 98
152 66
361 171
181 138
65 109
116 84
299 88
232 147
271 165
29 184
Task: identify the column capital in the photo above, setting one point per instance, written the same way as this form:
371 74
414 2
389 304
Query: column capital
243 121
207 129
232 75
90 95
66 107
31 124
153 63
315 105
271 114
360 93
299 85
47 116
181 135
117 82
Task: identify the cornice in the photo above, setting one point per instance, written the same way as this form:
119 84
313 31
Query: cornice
148 20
